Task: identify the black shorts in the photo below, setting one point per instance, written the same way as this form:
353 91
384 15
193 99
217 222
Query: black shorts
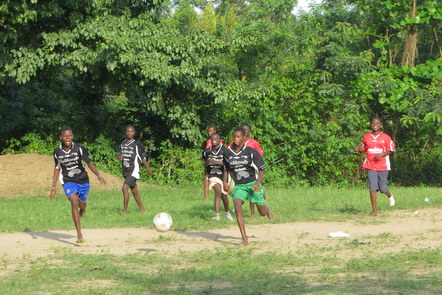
130 181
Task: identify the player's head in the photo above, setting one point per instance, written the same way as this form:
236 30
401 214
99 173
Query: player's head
215 139
376 124
130 131
66 136
239 136
211 129
247 129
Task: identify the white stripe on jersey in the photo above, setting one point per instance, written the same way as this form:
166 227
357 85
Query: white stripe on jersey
136 172
254 166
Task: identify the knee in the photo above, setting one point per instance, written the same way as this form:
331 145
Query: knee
384 189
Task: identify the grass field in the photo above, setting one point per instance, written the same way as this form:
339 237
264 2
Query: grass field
191 211
341 267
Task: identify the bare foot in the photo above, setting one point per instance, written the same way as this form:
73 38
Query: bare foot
374 213
270 214
244 243
124 212
80 239
82 213
143 210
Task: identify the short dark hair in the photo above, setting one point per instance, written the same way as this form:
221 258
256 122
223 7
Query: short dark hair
211 126
216 134
65 128
247 125
376 118
130 126
240 129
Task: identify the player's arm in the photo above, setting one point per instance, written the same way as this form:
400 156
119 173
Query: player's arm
149 171
381 155
259 162
225 182
120 154
95 171
54 183
87 158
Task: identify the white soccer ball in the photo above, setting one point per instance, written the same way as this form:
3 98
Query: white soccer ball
162 221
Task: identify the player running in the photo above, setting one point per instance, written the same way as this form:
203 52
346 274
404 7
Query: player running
69 158
378 146
213 159
131 155
254 144
246 166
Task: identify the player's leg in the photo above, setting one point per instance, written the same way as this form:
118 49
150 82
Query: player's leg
252 209
383 186
75 204
82 198
137 197
217 201
373 183
258 199
225 200
125 189
240 220
206 188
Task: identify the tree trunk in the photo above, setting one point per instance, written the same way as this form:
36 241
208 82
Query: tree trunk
409 55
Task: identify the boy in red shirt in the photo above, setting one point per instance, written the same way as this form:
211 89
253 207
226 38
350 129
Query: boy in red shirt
378 146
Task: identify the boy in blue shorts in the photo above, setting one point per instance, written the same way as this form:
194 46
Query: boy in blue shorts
246 167
69 160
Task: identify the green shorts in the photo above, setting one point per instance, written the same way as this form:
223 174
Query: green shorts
245 192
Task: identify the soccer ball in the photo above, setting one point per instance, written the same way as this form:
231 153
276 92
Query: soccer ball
162 221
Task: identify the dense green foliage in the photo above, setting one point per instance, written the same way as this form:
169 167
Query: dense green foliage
308 83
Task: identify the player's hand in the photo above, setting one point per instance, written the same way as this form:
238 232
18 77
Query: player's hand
255 187
226 188
120 157
102 180
357 149
149 172
53 193
378 157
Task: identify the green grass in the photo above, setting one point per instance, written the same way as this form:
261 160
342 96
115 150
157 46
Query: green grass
310 269
231 271
191 212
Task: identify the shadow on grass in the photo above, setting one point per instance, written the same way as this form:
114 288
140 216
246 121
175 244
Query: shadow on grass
350 210
209 236
59 237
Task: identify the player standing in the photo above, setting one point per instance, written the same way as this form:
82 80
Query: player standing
69 158
211 129
246 166
132 155
378 146
213 158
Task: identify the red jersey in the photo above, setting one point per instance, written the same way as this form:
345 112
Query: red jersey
209 143
254 144
374 145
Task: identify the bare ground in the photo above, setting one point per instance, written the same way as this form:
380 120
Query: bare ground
24 174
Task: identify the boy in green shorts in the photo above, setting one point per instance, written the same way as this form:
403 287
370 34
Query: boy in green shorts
246 167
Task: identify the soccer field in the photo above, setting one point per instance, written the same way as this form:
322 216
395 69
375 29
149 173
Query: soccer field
397 252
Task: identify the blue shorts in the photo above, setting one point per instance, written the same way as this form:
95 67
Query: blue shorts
80 189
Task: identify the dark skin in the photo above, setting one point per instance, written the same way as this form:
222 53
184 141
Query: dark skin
240 138
376 127
252 205
210 132
78 207
216 141
130 135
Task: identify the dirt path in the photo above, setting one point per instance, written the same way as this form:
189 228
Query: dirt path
389 234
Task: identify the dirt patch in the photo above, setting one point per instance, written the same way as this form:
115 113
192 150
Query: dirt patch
403 231
25 174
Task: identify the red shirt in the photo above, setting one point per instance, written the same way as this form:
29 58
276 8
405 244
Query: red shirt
374 145
209 143
254 144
